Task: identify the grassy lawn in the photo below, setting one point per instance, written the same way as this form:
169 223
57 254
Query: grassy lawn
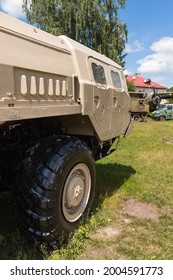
132 217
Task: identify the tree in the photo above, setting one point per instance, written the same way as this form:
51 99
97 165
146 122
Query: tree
170 89
94 23
130 86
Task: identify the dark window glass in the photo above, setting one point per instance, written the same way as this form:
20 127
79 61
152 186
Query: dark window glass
99 73
116 79
169 107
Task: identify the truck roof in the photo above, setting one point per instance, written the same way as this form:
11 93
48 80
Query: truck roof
18 27
13 25
77 47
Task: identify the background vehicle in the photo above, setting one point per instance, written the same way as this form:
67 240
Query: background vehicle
62 105
139 106
164 113
142 104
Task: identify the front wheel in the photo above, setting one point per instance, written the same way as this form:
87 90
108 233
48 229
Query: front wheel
162 118
76 192
136 118
56 188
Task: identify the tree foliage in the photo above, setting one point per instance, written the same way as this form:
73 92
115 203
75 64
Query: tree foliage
130 85
94 23
170 99
170 89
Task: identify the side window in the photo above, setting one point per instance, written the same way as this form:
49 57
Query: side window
169 107
99 73
116 79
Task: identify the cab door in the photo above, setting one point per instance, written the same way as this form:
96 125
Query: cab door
120 117
101 96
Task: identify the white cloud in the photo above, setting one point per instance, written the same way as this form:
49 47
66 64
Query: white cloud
135 47
162 79
13 8
164 45
162 58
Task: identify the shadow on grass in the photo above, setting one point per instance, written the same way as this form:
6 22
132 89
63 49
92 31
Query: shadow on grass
13 246
110 177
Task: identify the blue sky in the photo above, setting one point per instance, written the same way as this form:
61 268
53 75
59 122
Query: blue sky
150 36
150 39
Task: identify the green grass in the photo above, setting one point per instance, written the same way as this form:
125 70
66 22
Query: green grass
141 169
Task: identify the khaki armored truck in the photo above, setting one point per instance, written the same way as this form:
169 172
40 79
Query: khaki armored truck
62 105
139 106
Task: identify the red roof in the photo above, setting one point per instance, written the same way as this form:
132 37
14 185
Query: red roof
141 82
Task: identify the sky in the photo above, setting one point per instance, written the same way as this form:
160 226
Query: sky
150 36
150 39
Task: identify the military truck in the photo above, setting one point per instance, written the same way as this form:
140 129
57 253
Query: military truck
62 105
139 106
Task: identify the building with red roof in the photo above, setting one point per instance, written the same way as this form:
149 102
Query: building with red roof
145 85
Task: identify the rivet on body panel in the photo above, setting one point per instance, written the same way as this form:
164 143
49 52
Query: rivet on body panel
9 94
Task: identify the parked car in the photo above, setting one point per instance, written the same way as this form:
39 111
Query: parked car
163 113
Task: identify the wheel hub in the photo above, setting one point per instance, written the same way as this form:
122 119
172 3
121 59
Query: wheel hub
75 192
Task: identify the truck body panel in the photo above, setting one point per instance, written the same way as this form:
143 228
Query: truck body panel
44 75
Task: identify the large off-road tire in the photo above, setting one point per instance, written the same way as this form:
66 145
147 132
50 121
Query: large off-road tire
56 185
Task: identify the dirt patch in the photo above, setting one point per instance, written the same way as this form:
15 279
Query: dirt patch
106 233
141 210
107 252
168 140
98 253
